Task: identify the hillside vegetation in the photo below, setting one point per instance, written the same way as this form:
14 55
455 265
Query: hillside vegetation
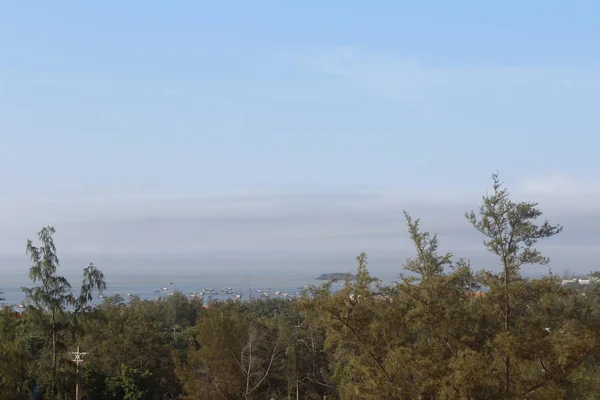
443 331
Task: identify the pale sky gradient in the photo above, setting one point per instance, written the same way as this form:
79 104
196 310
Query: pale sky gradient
280 129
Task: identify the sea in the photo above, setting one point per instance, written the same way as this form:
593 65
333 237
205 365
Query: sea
215 286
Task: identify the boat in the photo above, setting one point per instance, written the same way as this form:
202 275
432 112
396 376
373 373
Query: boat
157 291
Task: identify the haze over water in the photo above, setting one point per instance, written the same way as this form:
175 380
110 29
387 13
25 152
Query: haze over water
210 138
187 276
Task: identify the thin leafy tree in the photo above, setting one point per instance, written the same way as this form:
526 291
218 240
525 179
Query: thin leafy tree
51 299
511 232
428 262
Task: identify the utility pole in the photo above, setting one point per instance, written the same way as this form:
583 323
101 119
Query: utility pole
77 360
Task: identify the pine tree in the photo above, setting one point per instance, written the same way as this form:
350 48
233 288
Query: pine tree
511 232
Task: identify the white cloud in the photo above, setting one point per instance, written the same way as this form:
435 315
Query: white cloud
559 185
423 91
561 193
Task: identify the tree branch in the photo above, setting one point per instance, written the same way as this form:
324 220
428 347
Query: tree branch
273 354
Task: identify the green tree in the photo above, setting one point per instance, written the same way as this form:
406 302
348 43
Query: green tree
365 338
50 300
428 263
129 385
437 298
238 352
306 366
511 232
14 358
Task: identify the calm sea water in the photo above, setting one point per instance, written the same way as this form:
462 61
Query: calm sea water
144 285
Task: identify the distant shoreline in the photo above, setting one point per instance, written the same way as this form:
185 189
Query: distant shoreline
335 276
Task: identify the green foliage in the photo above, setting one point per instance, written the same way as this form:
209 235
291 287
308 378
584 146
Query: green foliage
129 385
427 263
511 233
442 331
238 351
48 302
14 374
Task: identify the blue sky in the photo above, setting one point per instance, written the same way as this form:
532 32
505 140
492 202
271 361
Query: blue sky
118 111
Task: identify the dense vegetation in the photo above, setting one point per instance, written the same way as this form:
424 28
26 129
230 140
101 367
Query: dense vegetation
442 331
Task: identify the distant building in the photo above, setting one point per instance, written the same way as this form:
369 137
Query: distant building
580 281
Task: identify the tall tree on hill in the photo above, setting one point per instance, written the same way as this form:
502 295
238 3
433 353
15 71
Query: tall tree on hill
511 232
50 300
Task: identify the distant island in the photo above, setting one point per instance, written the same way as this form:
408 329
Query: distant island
336 276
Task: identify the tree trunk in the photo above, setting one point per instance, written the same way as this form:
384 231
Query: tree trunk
507 375
507 358
507 311
54 359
